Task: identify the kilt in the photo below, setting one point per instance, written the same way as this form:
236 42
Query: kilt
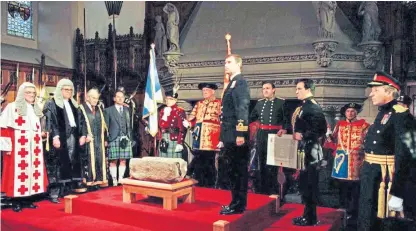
116 152
171 148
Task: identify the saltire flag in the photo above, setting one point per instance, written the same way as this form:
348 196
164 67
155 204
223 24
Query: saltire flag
153 95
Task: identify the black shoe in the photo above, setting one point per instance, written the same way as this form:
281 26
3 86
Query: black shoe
54 200
93 188
230 211
302 221
17 207
80 187
31 206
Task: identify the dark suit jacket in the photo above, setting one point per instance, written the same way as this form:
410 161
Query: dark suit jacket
113 121
235 105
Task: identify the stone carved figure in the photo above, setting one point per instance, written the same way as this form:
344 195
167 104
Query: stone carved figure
371 27
326 18
371 56
160 36
324 52
172 27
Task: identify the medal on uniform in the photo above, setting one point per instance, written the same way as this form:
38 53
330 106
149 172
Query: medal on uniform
386 118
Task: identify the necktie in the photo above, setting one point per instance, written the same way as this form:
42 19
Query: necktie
121 110
93 110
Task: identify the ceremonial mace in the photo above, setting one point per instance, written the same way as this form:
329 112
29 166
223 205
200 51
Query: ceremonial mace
227 76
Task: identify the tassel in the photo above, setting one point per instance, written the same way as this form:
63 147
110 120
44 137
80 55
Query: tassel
381 211
391 169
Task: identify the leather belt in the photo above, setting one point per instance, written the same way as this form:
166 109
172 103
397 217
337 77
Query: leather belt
386 163
270 127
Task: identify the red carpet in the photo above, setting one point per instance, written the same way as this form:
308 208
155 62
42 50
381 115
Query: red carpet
104 210
329 219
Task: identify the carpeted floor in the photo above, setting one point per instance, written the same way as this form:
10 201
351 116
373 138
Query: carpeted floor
104 210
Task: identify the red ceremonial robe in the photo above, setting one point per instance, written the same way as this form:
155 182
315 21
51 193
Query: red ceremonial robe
24 172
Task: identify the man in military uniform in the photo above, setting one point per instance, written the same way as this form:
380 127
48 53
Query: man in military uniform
409 202
205 121
348 136
404 100
309 126
234 134
172 132
384 155
272 114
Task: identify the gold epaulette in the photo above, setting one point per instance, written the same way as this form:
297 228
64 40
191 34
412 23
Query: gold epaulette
399 108
314 101
279 98
261 99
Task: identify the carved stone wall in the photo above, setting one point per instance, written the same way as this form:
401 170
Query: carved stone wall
131 61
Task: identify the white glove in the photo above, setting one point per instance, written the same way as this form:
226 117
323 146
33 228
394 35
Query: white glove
146 129
220 145
185 123
179 148
396 204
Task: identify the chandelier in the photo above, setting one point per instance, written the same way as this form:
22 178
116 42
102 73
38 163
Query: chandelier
113 7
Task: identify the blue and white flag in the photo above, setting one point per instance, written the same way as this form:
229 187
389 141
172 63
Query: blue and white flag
153 95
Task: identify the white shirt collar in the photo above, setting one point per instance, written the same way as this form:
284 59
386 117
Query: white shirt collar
89 105
118 107
231 77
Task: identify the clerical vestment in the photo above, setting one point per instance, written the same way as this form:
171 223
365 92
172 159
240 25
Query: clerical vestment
24 172
206 132
348 159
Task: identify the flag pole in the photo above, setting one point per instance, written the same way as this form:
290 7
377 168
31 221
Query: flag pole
227 76
85 59
391 64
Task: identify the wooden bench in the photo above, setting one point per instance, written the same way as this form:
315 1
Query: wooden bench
169 192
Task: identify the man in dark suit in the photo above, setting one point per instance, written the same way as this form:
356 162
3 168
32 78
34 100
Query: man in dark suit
309 126
117 118
234 134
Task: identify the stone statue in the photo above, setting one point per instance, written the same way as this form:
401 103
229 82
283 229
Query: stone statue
160 36
371 27
172 27
324 52
326 18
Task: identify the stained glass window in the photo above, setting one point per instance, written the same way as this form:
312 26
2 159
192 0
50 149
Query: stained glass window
19 19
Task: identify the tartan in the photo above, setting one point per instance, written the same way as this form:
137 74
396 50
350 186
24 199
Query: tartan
115 152
171 148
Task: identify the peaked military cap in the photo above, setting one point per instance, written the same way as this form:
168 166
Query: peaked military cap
381 78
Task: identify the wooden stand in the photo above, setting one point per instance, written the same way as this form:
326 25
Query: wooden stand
68 203
169 192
